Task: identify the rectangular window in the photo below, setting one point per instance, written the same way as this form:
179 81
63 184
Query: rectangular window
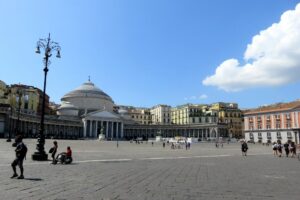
278 135
278 125
259 126
251 136
269 135
289 135
259 135
277 117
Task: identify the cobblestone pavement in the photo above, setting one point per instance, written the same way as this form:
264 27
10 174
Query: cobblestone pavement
140 171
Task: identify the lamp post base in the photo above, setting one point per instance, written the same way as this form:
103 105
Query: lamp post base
38 156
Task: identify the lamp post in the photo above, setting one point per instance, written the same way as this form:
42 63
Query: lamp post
48 47
19 100
9 127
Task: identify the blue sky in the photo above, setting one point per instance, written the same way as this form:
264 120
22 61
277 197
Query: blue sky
144 53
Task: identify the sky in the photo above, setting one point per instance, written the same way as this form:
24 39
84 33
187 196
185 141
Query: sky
144 53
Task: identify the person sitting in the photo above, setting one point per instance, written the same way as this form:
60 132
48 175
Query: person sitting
65 157
68 158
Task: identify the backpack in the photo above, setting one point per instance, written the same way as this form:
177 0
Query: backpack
23 151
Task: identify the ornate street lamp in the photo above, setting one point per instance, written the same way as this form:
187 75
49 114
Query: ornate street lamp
19 100
48 47
9 127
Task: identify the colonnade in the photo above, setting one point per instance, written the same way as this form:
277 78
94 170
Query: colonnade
200 133
111 129
30 129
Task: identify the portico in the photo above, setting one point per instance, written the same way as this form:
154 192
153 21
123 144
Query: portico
102 122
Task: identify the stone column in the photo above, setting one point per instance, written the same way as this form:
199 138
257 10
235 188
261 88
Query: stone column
122 133
117 130
84 128
96 132
106 130
91 128
112 130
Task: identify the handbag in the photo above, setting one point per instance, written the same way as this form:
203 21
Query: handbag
51 150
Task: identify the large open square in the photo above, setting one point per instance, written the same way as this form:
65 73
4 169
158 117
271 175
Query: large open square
142 171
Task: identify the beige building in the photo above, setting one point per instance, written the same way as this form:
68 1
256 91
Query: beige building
138 115
161 114
230 114
193 114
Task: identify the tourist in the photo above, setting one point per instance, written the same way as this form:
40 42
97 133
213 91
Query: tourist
274 146
21 151
293 149
244 148
286 148
164 144
279 148
53 151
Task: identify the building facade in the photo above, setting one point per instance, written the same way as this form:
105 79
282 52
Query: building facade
161 114
269 124
138 115
193 114
230 114
88 112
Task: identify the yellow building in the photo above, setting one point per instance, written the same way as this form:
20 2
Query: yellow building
30 98
193 114
230 114
138 115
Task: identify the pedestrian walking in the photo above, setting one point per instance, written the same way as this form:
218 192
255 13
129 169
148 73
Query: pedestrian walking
293 149
244 148
53 151
21 150
186 145
279 148
274 146
164 144
152 143
286 149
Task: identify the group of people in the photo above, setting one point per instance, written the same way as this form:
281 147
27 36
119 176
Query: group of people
63 158
289 148
21 151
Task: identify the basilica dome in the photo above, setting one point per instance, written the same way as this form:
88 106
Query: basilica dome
88 98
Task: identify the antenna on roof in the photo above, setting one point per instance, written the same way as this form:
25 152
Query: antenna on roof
89 78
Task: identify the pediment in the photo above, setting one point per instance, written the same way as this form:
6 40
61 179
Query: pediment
102 115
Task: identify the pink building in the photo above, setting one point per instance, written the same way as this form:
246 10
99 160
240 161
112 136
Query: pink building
271 123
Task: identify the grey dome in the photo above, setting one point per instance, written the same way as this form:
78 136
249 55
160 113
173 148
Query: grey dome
67 105
87 89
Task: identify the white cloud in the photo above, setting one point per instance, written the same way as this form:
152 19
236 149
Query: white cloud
202 96
272 59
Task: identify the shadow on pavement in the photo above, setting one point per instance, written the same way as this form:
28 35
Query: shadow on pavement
33 179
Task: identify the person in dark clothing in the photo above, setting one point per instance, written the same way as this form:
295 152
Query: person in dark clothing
244 148
21 151
54 150
286 148
279 148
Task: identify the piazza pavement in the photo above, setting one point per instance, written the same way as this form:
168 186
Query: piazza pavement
141 171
